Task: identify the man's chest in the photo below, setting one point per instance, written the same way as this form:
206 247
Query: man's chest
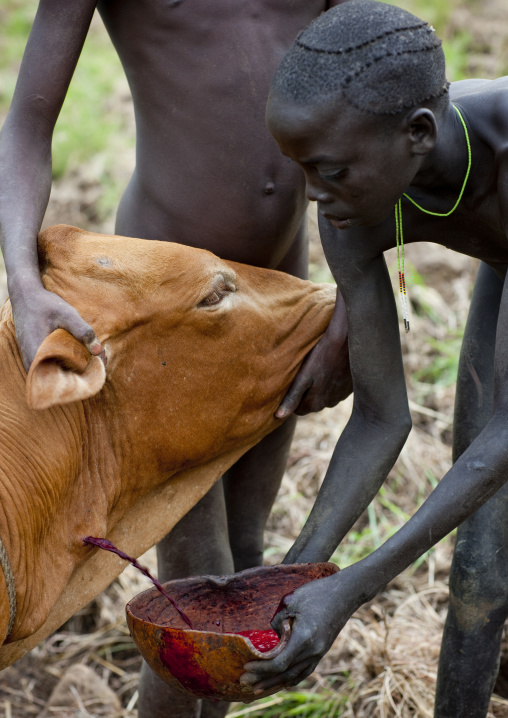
476 231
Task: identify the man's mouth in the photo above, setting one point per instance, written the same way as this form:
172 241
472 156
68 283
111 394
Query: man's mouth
339 223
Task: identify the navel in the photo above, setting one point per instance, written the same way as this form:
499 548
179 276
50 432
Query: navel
269 188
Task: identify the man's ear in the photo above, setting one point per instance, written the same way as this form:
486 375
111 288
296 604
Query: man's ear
421 126
63 371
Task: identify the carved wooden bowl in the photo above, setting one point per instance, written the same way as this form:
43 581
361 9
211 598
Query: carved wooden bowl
208 660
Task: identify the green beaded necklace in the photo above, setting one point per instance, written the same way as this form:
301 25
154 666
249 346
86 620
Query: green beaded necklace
399 237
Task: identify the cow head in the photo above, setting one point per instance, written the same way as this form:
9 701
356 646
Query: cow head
198 349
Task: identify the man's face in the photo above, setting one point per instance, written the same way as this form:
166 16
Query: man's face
356 167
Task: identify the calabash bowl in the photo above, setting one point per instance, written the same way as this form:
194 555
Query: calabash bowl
208 660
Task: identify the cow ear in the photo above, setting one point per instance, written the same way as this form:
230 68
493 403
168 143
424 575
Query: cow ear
63 371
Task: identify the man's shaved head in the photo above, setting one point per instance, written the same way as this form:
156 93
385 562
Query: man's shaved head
380 58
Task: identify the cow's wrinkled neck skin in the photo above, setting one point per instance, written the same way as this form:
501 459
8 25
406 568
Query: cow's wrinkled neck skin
42 518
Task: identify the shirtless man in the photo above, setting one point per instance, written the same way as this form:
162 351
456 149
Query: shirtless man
207 174
361 103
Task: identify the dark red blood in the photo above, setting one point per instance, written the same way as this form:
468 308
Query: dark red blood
182 660
108 546
262 640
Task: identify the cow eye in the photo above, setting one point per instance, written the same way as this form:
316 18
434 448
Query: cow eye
215 297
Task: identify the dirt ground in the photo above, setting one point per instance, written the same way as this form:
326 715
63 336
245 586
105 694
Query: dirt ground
384 662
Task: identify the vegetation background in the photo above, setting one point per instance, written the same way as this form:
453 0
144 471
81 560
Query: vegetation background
384 662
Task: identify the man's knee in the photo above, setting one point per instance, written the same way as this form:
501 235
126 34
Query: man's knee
199 543
248 556
479 585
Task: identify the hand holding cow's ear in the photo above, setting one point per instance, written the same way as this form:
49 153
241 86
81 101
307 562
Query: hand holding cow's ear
63 371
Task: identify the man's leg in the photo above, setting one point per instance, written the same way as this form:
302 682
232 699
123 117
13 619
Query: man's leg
469 658
251 486
198 545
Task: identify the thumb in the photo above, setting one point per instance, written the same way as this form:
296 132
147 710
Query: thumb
80 330
294 395
282 614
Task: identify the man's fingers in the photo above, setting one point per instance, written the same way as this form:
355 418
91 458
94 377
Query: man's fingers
288 678
94 347
308 668
37 316
84 333
255 671
293 396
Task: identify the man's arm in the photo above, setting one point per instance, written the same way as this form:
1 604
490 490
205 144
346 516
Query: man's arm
380 420
365 452
320 609
51 54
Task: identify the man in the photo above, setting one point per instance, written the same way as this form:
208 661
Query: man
390 152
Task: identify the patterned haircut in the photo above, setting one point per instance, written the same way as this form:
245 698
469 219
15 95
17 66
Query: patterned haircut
379 57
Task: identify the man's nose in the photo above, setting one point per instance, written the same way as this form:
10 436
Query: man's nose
317 194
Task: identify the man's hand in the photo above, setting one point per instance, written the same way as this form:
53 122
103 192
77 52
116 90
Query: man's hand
324 379
38 312
318 611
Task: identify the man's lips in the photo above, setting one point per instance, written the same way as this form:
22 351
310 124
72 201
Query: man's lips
339 223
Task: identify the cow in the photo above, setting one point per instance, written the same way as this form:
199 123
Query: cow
199 352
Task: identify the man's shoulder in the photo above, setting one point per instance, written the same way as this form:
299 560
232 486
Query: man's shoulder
485 103
479 90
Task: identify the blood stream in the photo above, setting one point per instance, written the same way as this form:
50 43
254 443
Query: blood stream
264 641
108 546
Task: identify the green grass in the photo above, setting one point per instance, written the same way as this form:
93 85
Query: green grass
441 369
304 704
16 17
89 125
456 42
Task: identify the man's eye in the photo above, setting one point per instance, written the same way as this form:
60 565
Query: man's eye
333 176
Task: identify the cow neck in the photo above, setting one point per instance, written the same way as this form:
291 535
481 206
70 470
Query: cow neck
9 578
24 451
13 367
5 564
8 574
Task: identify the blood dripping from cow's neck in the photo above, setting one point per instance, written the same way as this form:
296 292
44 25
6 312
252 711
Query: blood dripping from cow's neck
108 546
264 641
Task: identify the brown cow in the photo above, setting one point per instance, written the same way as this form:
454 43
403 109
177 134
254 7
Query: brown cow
199 354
